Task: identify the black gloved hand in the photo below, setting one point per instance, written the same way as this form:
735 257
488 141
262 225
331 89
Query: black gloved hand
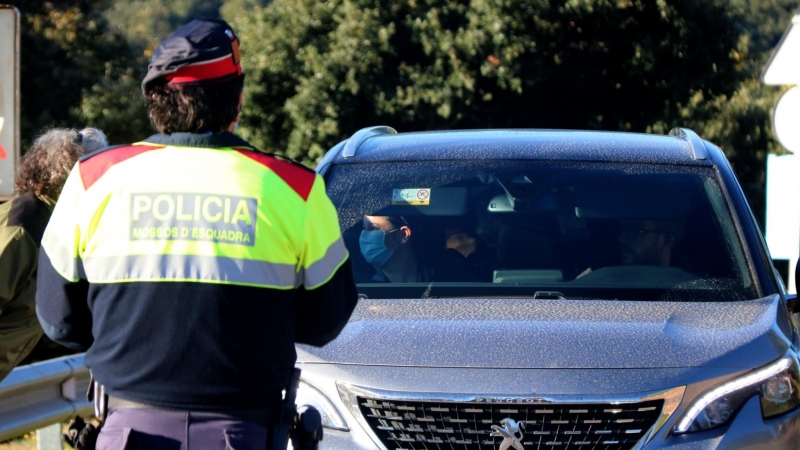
81 435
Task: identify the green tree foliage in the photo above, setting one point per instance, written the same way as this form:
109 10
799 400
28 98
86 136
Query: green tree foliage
318 71
231 8
116 105
66 48
146 22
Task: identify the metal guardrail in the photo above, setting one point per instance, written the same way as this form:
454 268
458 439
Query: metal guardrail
41 394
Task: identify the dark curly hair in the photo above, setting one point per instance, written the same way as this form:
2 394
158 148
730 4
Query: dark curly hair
194 108
43 169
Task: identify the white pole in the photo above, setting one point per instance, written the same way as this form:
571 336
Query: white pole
49 438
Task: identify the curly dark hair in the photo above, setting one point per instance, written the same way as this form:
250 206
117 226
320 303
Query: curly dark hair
194 108
44 168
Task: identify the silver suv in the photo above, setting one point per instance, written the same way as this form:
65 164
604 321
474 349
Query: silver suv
534 289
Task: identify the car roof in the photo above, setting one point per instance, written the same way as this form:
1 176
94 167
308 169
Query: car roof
383 144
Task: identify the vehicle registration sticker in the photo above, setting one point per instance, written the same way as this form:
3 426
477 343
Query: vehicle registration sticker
412 196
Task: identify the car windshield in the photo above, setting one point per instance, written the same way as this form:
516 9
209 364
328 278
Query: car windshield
539 229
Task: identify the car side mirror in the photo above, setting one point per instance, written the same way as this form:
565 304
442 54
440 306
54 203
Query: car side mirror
793 303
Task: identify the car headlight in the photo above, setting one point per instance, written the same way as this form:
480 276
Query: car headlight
776 384
309 395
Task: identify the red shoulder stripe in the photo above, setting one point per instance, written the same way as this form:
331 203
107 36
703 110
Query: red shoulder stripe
93 168
297 177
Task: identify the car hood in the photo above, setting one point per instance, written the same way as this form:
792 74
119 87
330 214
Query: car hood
563 334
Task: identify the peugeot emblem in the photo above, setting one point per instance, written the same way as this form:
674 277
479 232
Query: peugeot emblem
509 433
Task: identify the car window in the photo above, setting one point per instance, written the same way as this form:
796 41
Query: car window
542 229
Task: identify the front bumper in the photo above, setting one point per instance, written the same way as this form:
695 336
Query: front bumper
747 430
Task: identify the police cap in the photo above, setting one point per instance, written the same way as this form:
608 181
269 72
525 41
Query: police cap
202 51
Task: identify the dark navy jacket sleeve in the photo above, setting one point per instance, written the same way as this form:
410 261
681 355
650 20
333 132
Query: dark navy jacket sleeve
323 312
62 307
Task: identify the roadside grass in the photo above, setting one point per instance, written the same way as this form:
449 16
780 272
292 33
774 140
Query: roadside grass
26 442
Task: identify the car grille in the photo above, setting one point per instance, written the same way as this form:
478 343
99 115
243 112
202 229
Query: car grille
465 426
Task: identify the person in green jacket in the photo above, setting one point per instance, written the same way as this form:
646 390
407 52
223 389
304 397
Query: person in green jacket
41 175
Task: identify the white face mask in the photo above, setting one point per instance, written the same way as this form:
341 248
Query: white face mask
373 246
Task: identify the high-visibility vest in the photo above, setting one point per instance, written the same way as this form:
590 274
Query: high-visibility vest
229 215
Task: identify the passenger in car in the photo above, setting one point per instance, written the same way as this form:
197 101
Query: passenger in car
467 257
386 244
647 242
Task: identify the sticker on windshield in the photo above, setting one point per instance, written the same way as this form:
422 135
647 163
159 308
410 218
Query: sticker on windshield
415 196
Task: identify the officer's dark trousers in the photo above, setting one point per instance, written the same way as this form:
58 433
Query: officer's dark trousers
156 429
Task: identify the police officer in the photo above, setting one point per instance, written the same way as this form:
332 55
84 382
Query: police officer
190 263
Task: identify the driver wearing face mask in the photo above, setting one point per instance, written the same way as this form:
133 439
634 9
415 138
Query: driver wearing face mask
385 243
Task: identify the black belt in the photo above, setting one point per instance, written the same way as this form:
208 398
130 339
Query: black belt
264 416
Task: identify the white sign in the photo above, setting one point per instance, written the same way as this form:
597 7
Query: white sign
784 65
786 120
783 214
9 98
